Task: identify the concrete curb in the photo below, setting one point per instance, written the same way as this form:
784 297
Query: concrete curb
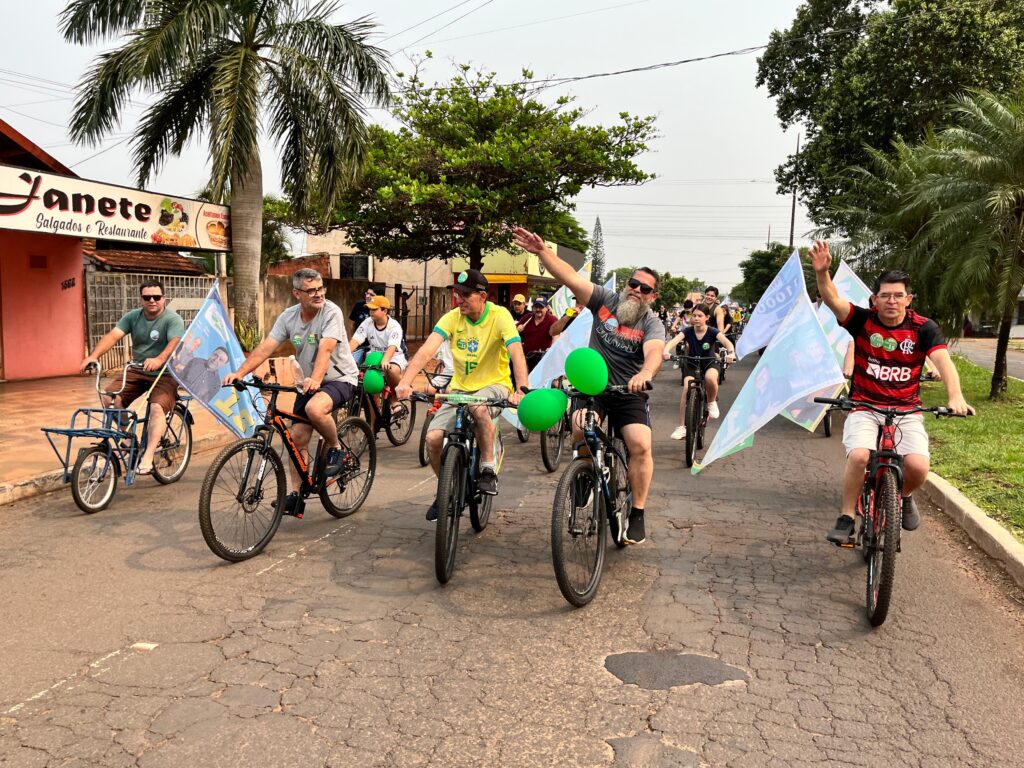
989 535
19 490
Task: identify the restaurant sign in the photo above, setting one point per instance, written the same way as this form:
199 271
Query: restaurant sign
31 201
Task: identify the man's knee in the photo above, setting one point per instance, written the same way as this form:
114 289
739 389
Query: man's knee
916 464
858 458
320 404
434 439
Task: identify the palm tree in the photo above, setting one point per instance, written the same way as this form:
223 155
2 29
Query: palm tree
951 212
224 70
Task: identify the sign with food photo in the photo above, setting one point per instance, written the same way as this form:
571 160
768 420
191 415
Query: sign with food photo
31 201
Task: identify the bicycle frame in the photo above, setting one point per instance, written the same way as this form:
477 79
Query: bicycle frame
599 443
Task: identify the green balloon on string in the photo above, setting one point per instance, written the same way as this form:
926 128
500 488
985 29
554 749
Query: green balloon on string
374 358
541 409
373 381
587 371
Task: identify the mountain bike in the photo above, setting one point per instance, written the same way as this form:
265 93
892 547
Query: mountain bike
120 436
553 440
439 381
397 419
696 411
593 490
460 470
242 499
880 504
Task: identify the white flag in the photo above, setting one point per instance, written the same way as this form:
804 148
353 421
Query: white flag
774 305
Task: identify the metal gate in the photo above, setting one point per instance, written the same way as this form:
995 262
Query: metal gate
108 295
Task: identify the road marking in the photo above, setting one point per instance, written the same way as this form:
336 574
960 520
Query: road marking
141 646
304 548
421 482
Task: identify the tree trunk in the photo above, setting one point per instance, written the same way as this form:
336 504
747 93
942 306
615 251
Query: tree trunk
476 254
247 229
999 380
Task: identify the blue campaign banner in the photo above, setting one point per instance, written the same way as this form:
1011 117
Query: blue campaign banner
772 308
797 363
208 351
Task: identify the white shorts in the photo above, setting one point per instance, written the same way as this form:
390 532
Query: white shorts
861 431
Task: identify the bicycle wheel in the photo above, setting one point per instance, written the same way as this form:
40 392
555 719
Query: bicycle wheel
94 479
826 422
577 533
702 418
401 422
618 484
172 457
882 565
552 441
721 377
451 493
523 435
424 459
344 493
480 511
692 420
242 500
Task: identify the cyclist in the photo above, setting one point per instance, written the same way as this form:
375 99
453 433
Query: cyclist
891 342
384 334
701 341
712 302
683 318
316 328
519 308
358 316
630 338
535 332
483 339
155 331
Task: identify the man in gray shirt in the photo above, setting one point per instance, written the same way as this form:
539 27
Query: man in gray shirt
630 338
316 328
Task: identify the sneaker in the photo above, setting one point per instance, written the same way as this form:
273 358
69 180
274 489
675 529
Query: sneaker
842 533
713 410
911 517
635 533
332 466
487 483
290 502
432 512
679 432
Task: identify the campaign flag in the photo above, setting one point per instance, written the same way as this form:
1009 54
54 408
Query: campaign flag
207 352
773 307
806 412
563 298
797 363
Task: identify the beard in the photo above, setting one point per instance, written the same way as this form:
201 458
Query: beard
630 310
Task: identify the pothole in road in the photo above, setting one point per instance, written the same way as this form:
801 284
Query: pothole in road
662 670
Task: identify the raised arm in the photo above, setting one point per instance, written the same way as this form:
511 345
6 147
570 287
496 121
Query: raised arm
580 286
821 260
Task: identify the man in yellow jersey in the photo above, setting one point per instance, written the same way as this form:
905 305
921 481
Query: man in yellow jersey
483 338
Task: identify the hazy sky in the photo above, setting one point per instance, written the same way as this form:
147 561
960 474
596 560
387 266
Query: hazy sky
714 200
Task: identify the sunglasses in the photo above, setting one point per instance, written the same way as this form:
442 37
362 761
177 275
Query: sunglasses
635 284
152 298
311 292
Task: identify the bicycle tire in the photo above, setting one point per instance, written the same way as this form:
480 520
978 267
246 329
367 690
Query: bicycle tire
618 484
250 520
691 425
99 469
480 511
826 422
399 428
451 489
702 421
882 567
424 458
172 457
552 441
344 493
722 374
523 435
577 534
864 503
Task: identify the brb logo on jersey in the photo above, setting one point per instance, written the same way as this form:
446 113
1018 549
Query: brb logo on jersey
896 373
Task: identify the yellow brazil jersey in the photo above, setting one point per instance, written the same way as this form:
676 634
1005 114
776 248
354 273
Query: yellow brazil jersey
480 349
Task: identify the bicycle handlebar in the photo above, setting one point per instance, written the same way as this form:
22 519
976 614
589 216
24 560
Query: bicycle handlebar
846 404
124 377
258 383
462 398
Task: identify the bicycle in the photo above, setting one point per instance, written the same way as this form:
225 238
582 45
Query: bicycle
460 470
696 411
593 486
397 419
119 445
552 440
439 381
242 498
880 504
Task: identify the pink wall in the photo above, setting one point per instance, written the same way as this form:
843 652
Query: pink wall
43 314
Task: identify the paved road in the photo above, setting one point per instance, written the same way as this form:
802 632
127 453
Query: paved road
735 636
983 352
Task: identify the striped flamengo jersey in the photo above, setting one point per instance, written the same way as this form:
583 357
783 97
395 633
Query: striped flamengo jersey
887 361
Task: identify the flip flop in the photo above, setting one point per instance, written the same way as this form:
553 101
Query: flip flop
144 470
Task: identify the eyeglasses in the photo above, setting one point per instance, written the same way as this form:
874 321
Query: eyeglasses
635 284
152 298
311 292
893 296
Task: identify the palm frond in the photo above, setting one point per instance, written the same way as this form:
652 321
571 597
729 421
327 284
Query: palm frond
88 21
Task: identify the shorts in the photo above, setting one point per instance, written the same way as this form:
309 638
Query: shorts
340 392
861 431
400 366
165 393
621 409
444 418
690 368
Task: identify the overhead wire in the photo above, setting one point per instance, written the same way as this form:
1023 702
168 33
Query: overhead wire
421 23
445 26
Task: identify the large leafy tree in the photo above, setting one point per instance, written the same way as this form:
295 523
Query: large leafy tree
858 73
471 158
227 71
760 268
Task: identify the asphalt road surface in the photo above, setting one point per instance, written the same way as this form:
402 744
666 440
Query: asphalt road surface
735 636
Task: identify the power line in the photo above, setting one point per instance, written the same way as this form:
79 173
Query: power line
421 23
29 117
445 26
90 157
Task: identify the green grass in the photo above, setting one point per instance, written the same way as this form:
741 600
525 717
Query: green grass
983 456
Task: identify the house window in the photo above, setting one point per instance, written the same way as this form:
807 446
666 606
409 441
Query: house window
37 261
355 266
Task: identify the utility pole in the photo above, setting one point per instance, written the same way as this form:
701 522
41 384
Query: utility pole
792 213
768 243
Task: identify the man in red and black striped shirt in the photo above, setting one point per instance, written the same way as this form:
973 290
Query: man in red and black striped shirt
891 342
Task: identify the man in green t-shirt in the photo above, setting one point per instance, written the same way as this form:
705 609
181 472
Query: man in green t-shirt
155 331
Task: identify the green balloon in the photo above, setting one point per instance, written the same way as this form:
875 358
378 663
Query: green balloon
373 381
374 358
587 371
541 409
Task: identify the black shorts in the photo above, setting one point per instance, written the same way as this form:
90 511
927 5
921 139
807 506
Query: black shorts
339 391
693 368
621 410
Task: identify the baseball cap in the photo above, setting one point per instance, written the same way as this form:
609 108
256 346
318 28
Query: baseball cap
470 280
379 302
519 298
540 301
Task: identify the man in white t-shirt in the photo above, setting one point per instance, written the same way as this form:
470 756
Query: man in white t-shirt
384 334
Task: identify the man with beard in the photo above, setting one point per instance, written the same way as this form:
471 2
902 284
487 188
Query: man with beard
629 336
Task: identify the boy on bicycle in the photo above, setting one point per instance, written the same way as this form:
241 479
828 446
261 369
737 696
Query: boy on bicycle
384 334
891 342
